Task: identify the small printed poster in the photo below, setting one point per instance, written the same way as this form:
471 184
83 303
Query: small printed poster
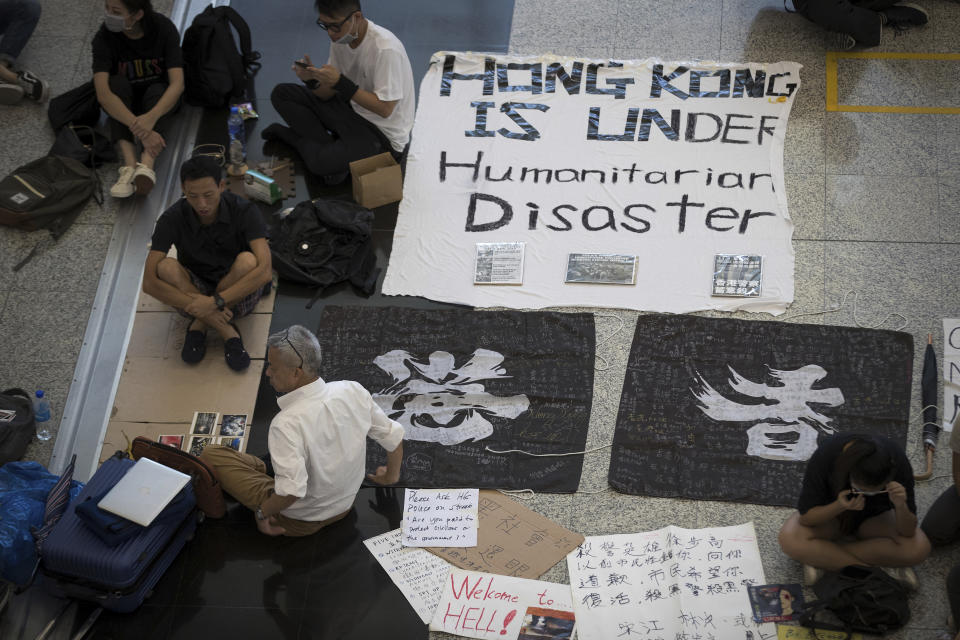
233 424
499 263
737 276
204 422
172 440
776 602
601 268
440 518
228 441
196 444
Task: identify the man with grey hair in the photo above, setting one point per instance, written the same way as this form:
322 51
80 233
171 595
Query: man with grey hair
317 444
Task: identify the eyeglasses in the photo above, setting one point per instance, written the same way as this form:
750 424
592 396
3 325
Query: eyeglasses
286 336
856 491
334 26
215 151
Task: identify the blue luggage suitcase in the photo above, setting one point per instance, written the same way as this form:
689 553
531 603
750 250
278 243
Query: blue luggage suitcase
76 563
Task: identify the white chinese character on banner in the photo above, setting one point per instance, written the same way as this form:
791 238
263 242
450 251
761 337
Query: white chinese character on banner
785 424
436 401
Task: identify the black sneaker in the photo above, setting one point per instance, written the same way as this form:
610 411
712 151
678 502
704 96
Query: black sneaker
904 16
33 87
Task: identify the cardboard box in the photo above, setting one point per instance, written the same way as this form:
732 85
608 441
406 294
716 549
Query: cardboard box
377 180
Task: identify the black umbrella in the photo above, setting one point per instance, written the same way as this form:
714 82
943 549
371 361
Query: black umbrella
929 392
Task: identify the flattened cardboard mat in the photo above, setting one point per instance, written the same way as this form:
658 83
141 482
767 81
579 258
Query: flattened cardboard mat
460 381
723 409
159 393
511 540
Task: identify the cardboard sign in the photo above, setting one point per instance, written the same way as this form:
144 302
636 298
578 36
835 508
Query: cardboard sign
440 516
512 540
671 583
673 162
951 372
481 605
419 575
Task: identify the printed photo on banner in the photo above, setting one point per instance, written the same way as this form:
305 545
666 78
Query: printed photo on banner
204 422
671 162
547 624
234 424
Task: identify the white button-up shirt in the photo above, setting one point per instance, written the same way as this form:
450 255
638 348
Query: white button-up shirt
318 445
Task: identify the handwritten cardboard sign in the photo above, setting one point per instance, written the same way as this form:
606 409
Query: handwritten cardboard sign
419 575
434 517
951 372
512 540
671 582
482 605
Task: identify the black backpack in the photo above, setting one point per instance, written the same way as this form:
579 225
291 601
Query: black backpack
16 430
214 71
864 599
48 193
325 241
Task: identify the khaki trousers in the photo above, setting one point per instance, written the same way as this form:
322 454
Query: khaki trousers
243 477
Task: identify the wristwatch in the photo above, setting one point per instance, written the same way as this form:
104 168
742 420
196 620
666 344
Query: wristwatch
221 303
259 514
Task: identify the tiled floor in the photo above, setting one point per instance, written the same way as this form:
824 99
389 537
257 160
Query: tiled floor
873 196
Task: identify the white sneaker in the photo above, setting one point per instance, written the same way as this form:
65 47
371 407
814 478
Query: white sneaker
811 575
10 93
123 187
33 87
905 576
144 178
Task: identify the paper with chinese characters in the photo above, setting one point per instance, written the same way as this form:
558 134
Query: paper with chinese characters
669 583
512 540
483 605
419 575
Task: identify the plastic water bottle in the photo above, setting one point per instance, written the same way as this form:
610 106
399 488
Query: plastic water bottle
238 137
41 410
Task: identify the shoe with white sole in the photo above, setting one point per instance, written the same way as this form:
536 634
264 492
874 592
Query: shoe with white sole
123 187
33 87
10 93
811 575
905 576
144 178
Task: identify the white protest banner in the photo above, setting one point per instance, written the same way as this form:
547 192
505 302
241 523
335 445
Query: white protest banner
951 372
674 163
483 605
440 517
671 582
419 574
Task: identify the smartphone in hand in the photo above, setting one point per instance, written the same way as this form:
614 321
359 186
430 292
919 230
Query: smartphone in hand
301 64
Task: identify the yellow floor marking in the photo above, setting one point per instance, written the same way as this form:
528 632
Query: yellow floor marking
831 89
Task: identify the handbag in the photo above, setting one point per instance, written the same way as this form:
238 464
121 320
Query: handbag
17 424
79 106
206 485
84 144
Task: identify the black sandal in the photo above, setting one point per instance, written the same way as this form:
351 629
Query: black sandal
194 345
233 352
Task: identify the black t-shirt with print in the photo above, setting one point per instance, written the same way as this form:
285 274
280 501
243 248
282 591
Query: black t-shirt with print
142 61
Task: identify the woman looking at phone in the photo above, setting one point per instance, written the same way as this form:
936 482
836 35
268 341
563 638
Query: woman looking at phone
856 507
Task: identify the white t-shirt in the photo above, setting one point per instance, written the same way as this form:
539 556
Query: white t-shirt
380 65
318 445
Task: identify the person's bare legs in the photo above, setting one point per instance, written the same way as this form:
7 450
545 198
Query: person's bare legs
128 152
244 263
877 544
173 273
7 74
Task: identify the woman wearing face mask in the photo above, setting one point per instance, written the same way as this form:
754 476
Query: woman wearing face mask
856 507
138 75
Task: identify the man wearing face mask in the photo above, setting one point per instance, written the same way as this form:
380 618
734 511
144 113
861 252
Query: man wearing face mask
138 76
359 104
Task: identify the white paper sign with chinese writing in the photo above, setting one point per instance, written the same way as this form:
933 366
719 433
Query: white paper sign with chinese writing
418 574
669 583
483 605
440 517
951 372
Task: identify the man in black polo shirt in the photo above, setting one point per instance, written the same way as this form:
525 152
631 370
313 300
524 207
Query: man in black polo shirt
222 265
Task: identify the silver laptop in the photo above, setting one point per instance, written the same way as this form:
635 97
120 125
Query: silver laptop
144 491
